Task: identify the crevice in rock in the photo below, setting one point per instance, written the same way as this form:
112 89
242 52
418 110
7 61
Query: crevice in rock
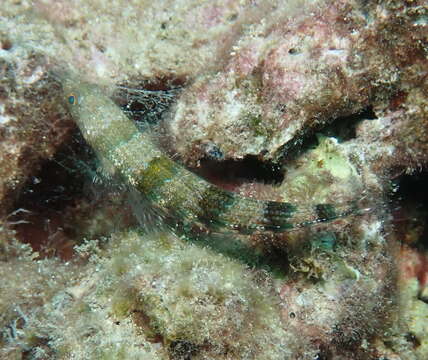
237 172
64 201
410 209
146 101
344 127
42 221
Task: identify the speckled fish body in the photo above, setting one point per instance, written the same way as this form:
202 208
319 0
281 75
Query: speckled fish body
171 188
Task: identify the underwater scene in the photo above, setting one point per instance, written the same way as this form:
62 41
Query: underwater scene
214 179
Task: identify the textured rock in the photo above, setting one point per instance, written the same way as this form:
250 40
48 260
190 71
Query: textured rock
287 77
33 120
137 39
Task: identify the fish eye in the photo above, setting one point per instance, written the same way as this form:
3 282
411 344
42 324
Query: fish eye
72 99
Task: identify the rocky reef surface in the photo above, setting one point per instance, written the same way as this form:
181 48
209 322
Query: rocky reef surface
301 101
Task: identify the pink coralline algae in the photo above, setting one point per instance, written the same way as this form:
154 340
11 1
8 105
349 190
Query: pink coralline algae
288 77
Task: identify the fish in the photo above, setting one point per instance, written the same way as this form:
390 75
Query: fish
172 189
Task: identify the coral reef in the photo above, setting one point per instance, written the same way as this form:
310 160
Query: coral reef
333 97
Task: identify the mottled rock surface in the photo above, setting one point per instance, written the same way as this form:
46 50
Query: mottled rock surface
33 120
288 76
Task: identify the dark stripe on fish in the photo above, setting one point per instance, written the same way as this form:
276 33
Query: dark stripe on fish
214 203
325 212
275 215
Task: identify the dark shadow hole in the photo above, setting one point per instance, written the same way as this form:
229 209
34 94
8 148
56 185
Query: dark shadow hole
238 172
61 198
410 209
47 195
146 101
344 128
59 180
